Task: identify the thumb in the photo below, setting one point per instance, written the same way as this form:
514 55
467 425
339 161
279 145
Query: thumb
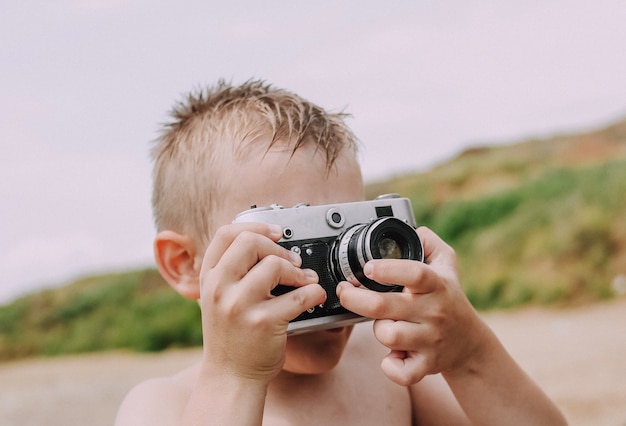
294 302
404 368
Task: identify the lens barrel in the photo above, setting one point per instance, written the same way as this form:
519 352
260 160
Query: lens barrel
384 238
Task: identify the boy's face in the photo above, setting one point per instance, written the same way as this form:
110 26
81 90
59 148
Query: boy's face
280 178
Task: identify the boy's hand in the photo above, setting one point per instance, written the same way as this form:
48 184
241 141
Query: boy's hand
430 327
244 325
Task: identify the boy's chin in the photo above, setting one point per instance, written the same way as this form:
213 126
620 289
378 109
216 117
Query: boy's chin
316 352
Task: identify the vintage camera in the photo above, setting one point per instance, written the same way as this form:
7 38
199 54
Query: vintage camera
336 241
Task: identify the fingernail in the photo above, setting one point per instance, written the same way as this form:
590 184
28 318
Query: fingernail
310 273
276 230
368 269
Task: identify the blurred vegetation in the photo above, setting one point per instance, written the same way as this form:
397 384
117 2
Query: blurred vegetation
135 310
537 222
542 221
558 238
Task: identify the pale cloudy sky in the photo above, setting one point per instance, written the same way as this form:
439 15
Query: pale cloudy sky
84 85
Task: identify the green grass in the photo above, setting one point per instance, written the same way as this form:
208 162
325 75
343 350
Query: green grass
554 239
134 310
550 234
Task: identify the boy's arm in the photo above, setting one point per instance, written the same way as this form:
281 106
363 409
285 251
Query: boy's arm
213 400
489 391
432 328
244 331
226 400
492 387
433 403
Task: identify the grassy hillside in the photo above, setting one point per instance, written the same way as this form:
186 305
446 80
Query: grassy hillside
540 221
135 310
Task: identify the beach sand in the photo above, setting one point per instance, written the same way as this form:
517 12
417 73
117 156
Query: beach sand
577 355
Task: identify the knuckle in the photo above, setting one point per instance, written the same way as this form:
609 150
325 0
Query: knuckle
404 381
273 265
256 319
214 296
222 233
419 273
245 238
378 305
217 298
230 310
438 315
391 334
414 377
209 288
436 334
299 298
437 330
407 379
437 338
273 261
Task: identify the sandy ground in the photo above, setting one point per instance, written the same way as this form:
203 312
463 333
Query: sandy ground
577 355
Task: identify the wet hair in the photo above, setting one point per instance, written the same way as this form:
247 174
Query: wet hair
216 125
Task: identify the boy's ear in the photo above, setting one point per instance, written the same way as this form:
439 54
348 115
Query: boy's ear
175 256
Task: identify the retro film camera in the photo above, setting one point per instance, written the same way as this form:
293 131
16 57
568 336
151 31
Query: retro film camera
336 240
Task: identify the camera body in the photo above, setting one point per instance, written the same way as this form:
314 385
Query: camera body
336 240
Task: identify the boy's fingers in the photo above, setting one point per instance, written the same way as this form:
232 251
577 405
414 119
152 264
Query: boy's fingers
415 276
372 304
270 271
247 249
226 235
364 302
435 249
289 305
400 335
405 368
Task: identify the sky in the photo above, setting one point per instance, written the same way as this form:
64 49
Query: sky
86 84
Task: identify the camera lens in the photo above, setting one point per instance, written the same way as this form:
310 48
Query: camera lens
384 238
389 248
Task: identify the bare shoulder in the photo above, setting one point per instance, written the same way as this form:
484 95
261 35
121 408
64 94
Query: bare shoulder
157 401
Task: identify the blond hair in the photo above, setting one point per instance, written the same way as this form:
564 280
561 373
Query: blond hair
214 125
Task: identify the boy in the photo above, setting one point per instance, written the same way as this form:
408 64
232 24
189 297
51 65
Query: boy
429 359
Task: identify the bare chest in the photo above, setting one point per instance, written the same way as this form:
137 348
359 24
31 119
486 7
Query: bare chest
340 399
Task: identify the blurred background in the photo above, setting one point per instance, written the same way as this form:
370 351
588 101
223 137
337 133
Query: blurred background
86 85
504 122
